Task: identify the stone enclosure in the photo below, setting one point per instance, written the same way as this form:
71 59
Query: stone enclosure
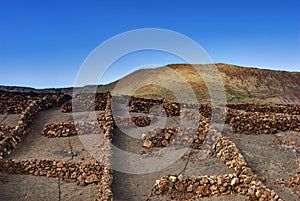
197 133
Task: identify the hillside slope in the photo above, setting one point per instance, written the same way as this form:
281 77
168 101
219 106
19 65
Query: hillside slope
241 84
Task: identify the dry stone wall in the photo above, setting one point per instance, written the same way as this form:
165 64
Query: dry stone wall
105 187
86 102
71 128
188 137
243 181
142 105
4 131
264 123
16 102
11 140
69 171
285 109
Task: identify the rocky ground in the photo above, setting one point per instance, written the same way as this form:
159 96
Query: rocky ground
272 157
36 146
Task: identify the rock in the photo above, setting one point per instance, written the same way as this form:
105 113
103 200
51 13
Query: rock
147 143
173 179
189 188
199 190
234 181
179 186
92 179
60 164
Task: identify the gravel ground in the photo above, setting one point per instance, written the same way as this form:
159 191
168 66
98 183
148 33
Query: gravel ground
268 159
36 146
271 157
32 188
9 119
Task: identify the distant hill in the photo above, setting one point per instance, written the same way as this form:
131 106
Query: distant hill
29 89
242 84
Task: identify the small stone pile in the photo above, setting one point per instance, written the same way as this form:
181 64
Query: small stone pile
261 123
69 171
86 102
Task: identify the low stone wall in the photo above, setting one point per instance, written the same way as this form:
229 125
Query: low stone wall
80 173
86 102
105 186
71 128
10 142
186 188
142 105
242 181
134 121
188 137
4 131
17 102
261 123
285 109
109 123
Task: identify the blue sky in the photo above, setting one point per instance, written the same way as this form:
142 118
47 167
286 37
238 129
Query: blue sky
44 43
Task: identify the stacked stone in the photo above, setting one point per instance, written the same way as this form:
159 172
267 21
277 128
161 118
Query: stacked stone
242 181
105 185
86 102
188 137
16 102
66 107
59 129
260 123
10 142
188 188
181 187
248 183
131 122
71 129
4 131
109 124
69 171
142 105
264 108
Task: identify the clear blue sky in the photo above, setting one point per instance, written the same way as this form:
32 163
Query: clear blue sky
43 43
